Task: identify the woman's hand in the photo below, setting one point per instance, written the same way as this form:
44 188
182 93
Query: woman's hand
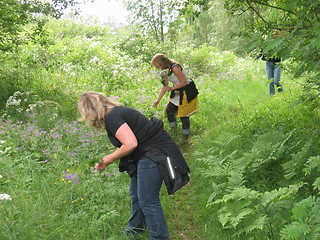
129 142
164 89
155 104
100 166
167 88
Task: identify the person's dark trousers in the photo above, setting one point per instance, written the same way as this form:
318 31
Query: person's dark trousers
273 74
171 111
146 207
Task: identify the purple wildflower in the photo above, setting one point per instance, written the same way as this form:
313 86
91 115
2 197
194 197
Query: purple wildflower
71 177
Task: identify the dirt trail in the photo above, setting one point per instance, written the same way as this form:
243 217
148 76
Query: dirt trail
182 218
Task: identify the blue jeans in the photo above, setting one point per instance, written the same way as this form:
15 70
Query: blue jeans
273 74
146 207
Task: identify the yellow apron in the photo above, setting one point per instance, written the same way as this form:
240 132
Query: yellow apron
186 109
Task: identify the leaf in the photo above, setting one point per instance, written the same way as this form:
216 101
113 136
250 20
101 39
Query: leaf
279 194
312 163
257 224
294 231
316 184
237 219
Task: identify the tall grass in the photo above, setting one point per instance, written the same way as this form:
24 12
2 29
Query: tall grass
47 156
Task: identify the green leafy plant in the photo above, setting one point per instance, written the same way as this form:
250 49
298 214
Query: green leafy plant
306 221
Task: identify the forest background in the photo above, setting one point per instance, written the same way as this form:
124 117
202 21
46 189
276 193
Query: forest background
254 158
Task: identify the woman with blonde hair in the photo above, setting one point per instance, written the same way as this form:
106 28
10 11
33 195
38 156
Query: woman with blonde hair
183 97
148 154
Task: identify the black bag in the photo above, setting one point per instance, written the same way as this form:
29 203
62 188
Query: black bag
128 165
174 177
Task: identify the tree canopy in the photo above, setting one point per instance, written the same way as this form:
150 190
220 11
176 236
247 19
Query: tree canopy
299 38
243 26
15 15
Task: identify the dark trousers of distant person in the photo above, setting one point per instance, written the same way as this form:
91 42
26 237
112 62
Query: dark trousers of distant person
273 74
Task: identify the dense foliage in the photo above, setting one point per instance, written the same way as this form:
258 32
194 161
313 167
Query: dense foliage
15 15
254 159
245 27
299 38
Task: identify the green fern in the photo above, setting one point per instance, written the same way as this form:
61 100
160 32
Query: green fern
293 167
311 164
306 224
295 231
280 194
316 184
266 149
235 217
257 224
240 178
226 139
245 210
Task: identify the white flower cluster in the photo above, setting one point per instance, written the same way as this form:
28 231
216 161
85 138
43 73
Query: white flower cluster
4 149
95 59
4 196
164 73
16 99
12 101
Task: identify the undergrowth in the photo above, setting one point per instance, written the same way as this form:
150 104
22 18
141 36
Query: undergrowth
254 158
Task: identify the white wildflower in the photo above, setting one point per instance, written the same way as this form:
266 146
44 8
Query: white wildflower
5 150
18 93
31 107
94 59
1 176
5 196
164 72
12 101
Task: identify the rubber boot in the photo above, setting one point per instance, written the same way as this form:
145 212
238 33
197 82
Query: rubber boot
185 139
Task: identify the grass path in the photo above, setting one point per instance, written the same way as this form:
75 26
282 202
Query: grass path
182 210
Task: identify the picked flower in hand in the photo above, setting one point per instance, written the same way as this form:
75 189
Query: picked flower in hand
163 74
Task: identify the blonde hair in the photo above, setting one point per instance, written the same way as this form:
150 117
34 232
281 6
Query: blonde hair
162 60
93 106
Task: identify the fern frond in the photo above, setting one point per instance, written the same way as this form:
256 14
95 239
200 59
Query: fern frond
236 180
281 144
232 215
237 195
229 157
316 184
306 208
280 194
311 164
216 191
295 231
260 153
239 217
224 218
293 167
226 138
307 221
258 223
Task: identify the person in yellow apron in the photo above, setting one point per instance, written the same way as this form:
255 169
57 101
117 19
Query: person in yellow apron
184 93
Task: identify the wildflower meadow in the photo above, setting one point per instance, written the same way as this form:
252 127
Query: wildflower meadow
254 158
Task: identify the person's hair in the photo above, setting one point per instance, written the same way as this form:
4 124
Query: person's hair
162 60
93 106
